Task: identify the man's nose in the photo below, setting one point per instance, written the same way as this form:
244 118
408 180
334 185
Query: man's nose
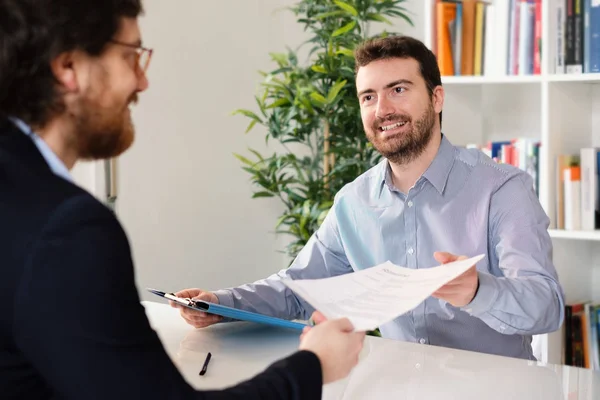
384 108
142 82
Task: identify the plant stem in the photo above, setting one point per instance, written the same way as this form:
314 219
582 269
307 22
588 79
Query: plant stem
326 155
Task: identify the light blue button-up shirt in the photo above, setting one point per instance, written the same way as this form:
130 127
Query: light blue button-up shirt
55 163
465 204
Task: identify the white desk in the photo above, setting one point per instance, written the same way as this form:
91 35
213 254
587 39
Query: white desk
387 369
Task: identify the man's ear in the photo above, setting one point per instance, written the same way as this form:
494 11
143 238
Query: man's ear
63 68
438 98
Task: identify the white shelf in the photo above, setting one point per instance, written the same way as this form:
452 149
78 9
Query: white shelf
574 78
575 235
479 80
519 79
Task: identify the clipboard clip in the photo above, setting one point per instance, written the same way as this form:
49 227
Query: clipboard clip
180 300
186 302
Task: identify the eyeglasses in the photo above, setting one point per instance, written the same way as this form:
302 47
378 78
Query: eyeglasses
143 54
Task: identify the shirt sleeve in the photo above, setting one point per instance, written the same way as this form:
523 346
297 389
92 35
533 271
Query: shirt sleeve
323 256
522 294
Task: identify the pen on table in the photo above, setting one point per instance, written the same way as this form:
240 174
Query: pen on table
205 366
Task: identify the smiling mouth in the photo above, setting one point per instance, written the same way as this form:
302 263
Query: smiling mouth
390 127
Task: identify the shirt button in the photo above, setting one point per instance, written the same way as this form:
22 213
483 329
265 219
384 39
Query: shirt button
422 341
410 203
410 250
418 366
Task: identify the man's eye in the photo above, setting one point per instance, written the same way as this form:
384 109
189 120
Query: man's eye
367 98
399 89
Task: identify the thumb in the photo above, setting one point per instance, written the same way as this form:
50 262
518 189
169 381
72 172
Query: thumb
443 257
318 318
343 324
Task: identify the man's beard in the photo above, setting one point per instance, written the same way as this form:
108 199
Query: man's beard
103 132
408 146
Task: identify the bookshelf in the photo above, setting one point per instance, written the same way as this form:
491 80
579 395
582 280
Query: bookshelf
561 110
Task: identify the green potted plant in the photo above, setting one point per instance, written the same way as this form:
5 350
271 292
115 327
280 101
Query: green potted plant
312 111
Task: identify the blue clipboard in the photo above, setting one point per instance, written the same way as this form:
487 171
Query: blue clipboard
229 312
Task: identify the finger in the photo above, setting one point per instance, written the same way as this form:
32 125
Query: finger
204 318
195 315
318 318
204 296
201 323
305 329
187 293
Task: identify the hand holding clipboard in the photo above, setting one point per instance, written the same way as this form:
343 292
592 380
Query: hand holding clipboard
228 312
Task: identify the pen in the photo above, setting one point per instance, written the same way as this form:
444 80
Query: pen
205 366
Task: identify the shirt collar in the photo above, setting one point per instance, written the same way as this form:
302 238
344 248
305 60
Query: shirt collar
55 163
439 170
437 173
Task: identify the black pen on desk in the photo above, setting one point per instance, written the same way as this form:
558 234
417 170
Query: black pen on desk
205 366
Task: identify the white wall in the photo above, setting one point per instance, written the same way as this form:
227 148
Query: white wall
184 200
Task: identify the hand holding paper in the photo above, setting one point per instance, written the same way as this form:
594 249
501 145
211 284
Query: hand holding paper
377 295
461 290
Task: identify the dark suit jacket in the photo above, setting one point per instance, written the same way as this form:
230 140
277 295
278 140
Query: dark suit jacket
71 323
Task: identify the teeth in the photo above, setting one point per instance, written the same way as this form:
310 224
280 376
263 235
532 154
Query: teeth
393 126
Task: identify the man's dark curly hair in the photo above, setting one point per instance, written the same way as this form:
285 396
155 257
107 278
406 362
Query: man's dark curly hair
34 32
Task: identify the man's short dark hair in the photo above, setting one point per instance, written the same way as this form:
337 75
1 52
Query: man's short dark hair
384 48
34 32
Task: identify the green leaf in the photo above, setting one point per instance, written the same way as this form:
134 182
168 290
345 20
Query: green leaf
244 159
335 90
328 14
403 16
346 52
262 194
279 58
306 103
346 7
346 28
248 114
380 18
257 154
279 103
318 97
251 171
319 68
284 219
251 125
326 205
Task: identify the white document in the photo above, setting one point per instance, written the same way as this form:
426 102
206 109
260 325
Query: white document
376 295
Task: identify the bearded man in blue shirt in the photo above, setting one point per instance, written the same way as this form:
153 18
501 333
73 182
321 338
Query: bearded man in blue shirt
428 202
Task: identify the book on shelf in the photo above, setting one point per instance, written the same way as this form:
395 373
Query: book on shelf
491 38
577 40
581 335
577 190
